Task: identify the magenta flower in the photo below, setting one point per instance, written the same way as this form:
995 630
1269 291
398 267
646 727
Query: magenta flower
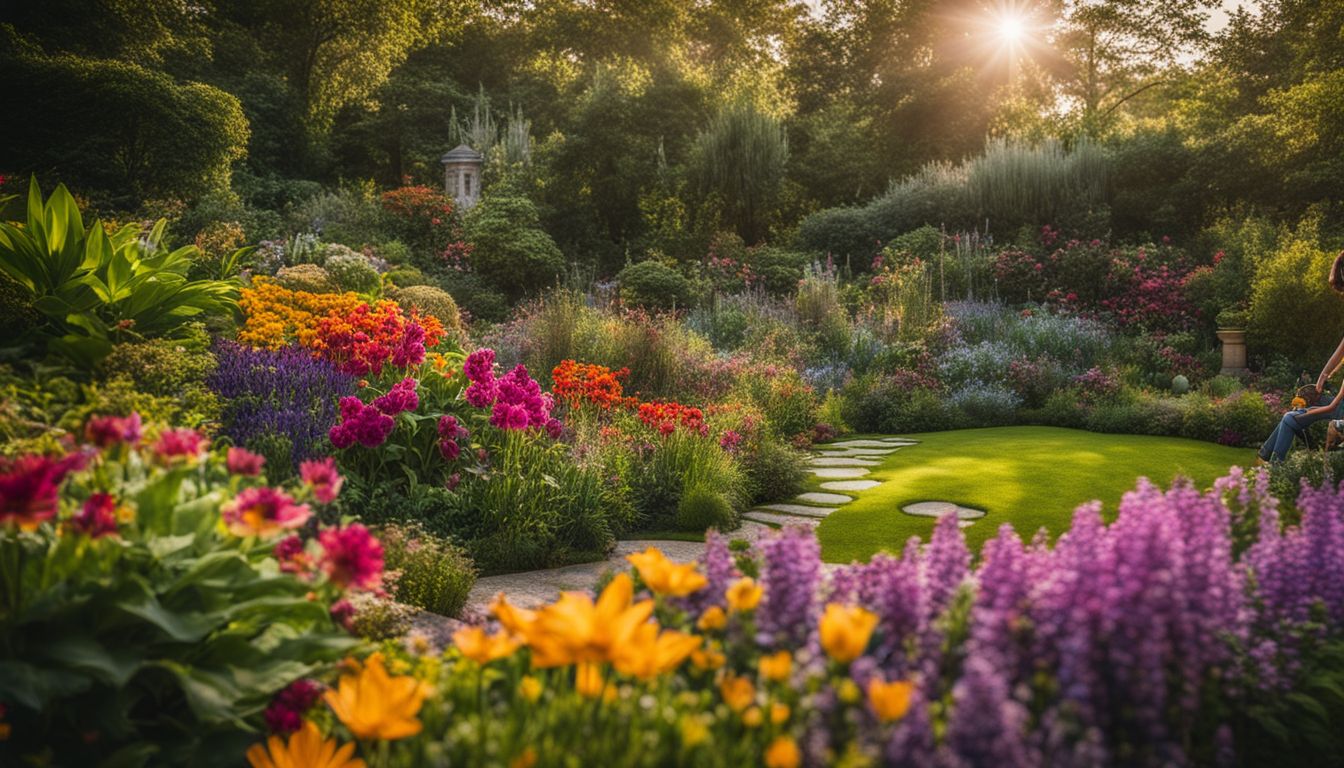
321 476
241 461
292 556
30 487
402 397
360 423
97 517
179 443
285 713
352 557
342 611
451 429
263 512
450 449
107 431
480 366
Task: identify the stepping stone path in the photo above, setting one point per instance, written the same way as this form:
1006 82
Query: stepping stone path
966 515
825 498
865 443
770 518
857 452
842 461
798 509
839 471
850 485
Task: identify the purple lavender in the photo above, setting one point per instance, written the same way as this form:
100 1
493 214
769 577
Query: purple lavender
986 726
790 573
282 393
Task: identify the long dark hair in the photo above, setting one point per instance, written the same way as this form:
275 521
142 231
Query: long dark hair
1337 273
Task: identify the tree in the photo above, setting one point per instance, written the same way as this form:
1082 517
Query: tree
741 157
509 248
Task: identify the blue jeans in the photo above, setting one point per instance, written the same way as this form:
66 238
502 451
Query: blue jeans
1293 424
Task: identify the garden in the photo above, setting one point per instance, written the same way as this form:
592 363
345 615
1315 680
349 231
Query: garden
650 383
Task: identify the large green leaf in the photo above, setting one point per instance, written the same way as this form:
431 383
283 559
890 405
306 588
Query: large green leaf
183 627
110 666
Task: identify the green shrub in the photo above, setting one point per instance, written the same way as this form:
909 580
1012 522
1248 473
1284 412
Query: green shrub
1245 419
432 573
162 366
1293 311
306 277
406 276
377 618
777 270
701 508
351 216
1200 420
654 285
677 462
1315 467
1063 408
431 301
510 250
394 252
789 404
1222 386
475 297
775 470
350 270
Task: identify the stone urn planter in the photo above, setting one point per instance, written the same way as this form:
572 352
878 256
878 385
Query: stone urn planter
1234 350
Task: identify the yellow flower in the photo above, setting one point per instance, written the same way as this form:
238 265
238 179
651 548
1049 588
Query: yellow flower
575 630
481 648
694 732
779 713
845 631
306 749
776 666
890 700
744 595
738 692
753 718
516 620
525 759
649 653
374 705
783 753
848 691
713 618
707 659
588 679
530 688
664 576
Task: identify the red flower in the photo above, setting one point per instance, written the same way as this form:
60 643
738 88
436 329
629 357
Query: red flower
285 713
352 557
30 487
322 478
107 431
241 461
263 512
292 556
98 516
179 443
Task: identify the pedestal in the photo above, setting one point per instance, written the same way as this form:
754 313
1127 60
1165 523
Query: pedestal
1234 350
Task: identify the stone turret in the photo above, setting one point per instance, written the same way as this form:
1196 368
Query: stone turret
462 175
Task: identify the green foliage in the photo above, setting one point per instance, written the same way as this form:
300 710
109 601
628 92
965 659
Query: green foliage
93 288
679 462
431 301
432 573
350 270
152 137
306 277
702 508
775 470
740 157
654 285
1293 310
350 215
510 250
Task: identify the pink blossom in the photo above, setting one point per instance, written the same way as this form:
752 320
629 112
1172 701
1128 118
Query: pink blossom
97 517
241 461
352 557
179 443
321 476
263 512
107 431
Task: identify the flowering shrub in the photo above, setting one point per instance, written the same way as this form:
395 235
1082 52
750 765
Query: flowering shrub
1125 644
427 219
585 383
144 573
665 418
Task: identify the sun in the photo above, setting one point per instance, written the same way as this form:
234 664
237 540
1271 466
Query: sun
1011 29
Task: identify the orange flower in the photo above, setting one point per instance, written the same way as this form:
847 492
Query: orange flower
713 618
375 705
649 653
776 666
737 692
845 631
573 629
783 753
481 648
744 595
305 749
779 713
588 679
707 659
666 577
891 701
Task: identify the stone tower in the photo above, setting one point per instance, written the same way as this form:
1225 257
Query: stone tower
462 175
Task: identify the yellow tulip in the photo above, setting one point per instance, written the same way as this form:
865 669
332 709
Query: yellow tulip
664 576
779 713
738 692
305 749
744 595
575 630
588 679
707 659
649 654
481 648
783 753
712 619
845 631
374 705
776 666
529 688
891 701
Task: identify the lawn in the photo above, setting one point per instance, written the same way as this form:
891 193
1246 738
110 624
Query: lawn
1028 476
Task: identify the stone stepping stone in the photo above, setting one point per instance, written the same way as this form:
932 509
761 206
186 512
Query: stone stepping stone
965 515
899 441
839 472
825 498
850 485
770 518
798 509
842 461
863 443
860 451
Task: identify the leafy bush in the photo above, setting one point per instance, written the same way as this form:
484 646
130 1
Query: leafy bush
1293 310
775 470
93 288
702 508
430 573
350 270
306 277
350 215
985 404
678 462
510 250
654 285
432 301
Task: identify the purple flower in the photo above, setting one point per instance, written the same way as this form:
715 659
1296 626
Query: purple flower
790 573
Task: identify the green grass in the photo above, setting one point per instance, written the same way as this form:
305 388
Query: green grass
1028 476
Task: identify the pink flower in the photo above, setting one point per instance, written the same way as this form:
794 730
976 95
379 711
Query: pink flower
451 429
554 429
263 512
179 443
107 431
98 516
361 423
450 449
401 397
30 487
730 440
284 715
480 366
453 481
352 557
292 556
322 477
342 611
241 461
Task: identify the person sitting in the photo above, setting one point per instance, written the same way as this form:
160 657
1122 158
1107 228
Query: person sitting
1296 421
